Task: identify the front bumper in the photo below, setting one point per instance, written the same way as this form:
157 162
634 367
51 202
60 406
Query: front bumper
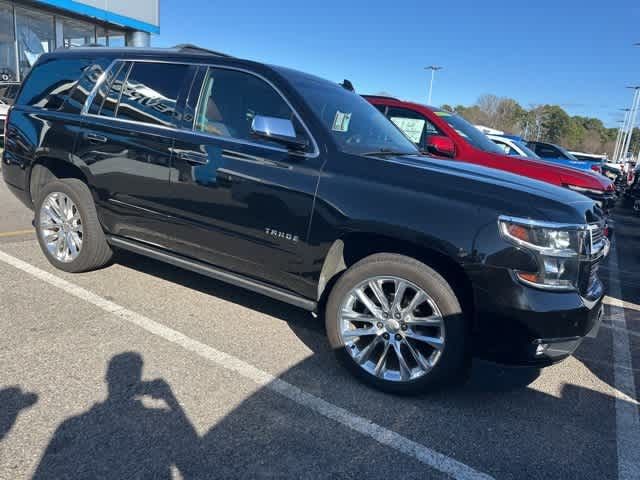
522 325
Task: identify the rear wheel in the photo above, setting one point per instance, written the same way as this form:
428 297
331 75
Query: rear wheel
396 324
68 229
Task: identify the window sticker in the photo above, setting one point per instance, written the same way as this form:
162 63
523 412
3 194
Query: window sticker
411 127
442 113
341 122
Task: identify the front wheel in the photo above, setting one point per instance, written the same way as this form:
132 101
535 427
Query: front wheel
397 324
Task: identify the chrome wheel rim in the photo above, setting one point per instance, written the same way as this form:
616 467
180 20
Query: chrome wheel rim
392 329
61 227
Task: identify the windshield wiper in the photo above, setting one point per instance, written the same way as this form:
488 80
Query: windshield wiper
383 152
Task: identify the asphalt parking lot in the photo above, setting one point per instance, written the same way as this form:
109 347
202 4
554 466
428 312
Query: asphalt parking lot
235 385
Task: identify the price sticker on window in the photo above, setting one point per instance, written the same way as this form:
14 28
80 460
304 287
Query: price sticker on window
411 127
341 122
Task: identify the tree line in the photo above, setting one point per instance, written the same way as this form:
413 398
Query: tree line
545 123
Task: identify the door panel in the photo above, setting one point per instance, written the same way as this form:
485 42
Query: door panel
130 171
247 208
126 144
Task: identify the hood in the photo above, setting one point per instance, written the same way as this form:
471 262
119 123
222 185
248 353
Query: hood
540 169
508 193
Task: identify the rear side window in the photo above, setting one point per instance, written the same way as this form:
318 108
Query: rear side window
50 83
108 96
150 94
85 86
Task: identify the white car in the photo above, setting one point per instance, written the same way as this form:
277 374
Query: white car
4 109
8 91
513 147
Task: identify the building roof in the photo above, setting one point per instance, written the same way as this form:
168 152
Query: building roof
142 15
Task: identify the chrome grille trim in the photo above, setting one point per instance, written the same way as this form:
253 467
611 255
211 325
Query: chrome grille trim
596 237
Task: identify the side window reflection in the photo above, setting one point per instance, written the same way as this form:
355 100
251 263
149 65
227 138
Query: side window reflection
230 101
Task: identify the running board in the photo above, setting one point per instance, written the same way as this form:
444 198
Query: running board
212 272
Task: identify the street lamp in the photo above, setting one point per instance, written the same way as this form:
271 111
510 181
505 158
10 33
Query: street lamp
632 121
434 69
621 132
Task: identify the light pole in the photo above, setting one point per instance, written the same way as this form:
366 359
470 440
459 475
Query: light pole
632 121
434 69
621 131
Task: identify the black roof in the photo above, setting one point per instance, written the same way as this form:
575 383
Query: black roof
182 53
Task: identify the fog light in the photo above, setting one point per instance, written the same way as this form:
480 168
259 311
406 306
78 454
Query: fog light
541 349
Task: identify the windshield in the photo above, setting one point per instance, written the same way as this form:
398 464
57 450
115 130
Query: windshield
470 133
356 126
530 153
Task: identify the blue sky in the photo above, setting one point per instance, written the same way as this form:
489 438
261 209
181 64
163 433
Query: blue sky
562 52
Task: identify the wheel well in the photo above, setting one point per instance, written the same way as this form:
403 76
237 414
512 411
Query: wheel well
54 169
355 247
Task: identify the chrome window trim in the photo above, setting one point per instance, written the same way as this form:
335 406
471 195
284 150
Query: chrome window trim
94 90
102 79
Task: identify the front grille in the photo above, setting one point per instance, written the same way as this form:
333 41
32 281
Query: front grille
589 268
596 234
589 275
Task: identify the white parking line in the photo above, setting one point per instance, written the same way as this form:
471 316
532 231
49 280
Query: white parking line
615 327
344 417
627 424
617 302
590 360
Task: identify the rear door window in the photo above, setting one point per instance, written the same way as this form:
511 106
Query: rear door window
150 93
85 86
110 97
115 71
50 83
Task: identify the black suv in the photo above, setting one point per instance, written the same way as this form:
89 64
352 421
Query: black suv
294 187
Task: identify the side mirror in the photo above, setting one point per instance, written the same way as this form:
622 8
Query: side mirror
441 145
279 130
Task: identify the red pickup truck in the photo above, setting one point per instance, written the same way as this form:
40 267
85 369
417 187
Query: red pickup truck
448 135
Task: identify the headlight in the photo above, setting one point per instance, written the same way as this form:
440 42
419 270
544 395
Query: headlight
558 248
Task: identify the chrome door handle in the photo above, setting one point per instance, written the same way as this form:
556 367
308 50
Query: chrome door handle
94 137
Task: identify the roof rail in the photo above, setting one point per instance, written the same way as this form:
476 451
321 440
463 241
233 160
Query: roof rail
347 85
190 48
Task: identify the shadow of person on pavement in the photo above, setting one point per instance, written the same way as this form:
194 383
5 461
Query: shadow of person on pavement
498 411
123 437
12 401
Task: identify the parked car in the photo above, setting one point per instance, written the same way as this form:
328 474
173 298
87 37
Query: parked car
589 157
4 109
291 186
631 189
513 147
556 153
8 93
448 135
615 172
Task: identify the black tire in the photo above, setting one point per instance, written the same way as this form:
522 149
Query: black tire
95 252
40 176
454 360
